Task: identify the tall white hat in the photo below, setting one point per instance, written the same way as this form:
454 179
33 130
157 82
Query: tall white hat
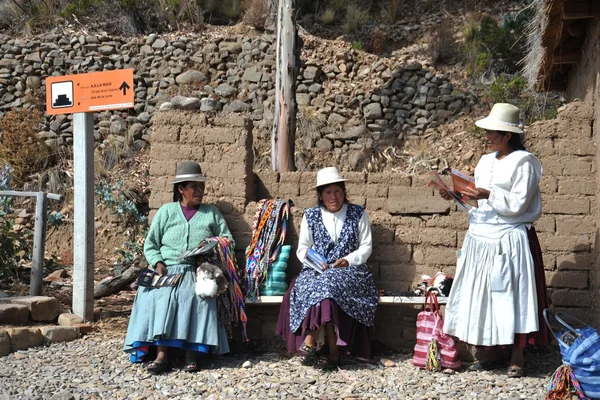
328 175
503 117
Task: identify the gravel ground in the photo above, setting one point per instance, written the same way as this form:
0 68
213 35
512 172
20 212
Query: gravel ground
96 368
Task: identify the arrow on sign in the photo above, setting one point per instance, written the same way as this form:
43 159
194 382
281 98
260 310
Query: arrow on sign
124 86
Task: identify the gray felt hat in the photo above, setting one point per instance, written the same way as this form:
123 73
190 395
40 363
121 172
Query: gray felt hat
189 171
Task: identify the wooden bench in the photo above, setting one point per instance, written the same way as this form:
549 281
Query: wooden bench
418 300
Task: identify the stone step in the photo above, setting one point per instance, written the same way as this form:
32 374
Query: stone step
14 314
41 308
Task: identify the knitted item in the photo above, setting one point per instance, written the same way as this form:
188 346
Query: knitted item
563 384
269 231
433 357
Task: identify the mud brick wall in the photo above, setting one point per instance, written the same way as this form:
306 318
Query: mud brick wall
220 144
415 232
567 229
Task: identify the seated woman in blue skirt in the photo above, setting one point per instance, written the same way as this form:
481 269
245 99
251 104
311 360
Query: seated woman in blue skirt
341 300
175 317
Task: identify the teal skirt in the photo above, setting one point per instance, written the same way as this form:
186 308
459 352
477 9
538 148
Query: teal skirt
175 317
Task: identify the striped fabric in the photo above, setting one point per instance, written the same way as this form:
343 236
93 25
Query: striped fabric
430 326
582 355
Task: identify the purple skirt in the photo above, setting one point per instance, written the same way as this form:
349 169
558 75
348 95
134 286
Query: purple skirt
353 337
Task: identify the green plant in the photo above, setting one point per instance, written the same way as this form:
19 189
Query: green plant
328 16
232 8
114 198
356 17
357 45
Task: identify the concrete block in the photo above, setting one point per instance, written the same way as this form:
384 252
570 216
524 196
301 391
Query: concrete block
56 334
13 314
4 343
426 205
24 338
41 308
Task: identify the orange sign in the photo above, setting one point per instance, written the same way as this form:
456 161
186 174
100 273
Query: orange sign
96 91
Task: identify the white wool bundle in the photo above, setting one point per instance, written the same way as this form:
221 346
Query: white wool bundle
206 286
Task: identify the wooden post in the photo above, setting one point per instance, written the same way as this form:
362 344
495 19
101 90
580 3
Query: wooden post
39 244
284 123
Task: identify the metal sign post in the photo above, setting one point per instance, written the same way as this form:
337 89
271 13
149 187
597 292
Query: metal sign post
83 94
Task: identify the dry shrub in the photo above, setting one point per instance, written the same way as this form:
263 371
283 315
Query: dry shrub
443 47
390 11
356 17
232 8
20 146
379 38
256 13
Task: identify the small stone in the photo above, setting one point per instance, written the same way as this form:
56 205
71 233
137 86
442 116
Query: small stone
386 362
247 364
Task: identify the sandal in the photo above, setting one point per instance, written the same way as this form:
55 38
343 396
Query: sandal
307 350
486 365
330 363
157 366
191 366
515 372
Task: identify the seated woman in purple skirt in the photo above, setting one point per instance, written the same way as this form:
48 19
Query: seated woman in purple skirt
342 300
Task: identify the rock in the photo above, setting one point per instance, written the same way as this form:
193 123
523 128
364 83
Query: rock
311 72
186 103
303 99
56 334
247 364
14 314
118 126
144 117
136 130
68 319
208 105
59 274
225 90
336 119
386 362
24 338
4 343
231 47
252 74
159 44
372 111
324 145
41 308
238 106
191 76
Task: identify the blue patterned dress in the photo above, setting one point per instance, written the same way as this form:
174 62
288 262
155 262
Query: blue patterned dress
351 288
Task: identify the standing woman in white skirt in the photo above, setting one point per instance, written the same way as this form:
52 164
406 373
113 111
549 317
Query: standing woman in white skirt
499 291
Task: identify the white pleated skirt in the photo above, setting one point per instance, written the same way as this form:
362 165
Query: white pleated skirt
494 292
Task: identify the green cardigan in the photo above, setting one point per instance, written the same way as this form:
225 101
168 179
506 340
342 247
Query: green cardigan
171 234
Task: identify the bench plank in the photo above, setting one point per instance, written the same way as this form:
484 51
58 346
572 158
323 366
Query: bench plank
382 300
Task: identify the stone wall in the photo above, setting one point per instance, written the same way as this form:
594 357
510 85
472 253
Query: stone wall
414 231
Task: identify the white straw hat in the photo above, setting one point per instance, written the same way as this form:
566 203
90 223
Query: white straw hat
189 171
503 117
328 175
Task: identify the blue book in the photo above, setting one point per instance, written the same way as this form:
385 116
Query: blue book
314 260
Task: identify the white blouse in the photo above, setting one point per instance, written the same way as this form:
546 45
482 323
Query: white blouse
333 223
513 183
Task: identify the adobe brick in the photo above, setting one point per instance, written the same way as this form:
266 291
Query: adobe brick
542 148
575 146
164 134
293 177
391 253
425 205
553 165
396 192
549 260
232 120
565 242
389 179
219 135
567 279
575 261
407 221
354 177
166 168
440 255
574 225
158 199
192 135
548 184
566 205
307 189
359 200
438 237
421 180
546 223
370 190
577 185
396 271
578 166
288 190
303 202
581 313
377 204
571 298
455 220
382 235
406 235
307 177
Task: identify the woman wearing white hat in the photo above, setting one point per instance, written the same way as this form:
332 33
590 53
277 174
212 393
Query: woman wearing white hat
499 291
341 300
175 317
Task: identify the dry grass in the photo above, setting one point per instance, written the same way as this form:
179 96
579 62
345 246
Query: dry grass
328 16
256 13
356 17
443 47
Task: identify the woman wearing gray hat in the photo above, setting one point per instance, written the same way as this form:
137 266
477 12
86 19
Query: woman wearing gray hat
175 317
499 291
340 301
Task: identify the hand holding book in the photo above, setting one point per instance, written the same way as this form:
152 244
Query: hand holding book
463 191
